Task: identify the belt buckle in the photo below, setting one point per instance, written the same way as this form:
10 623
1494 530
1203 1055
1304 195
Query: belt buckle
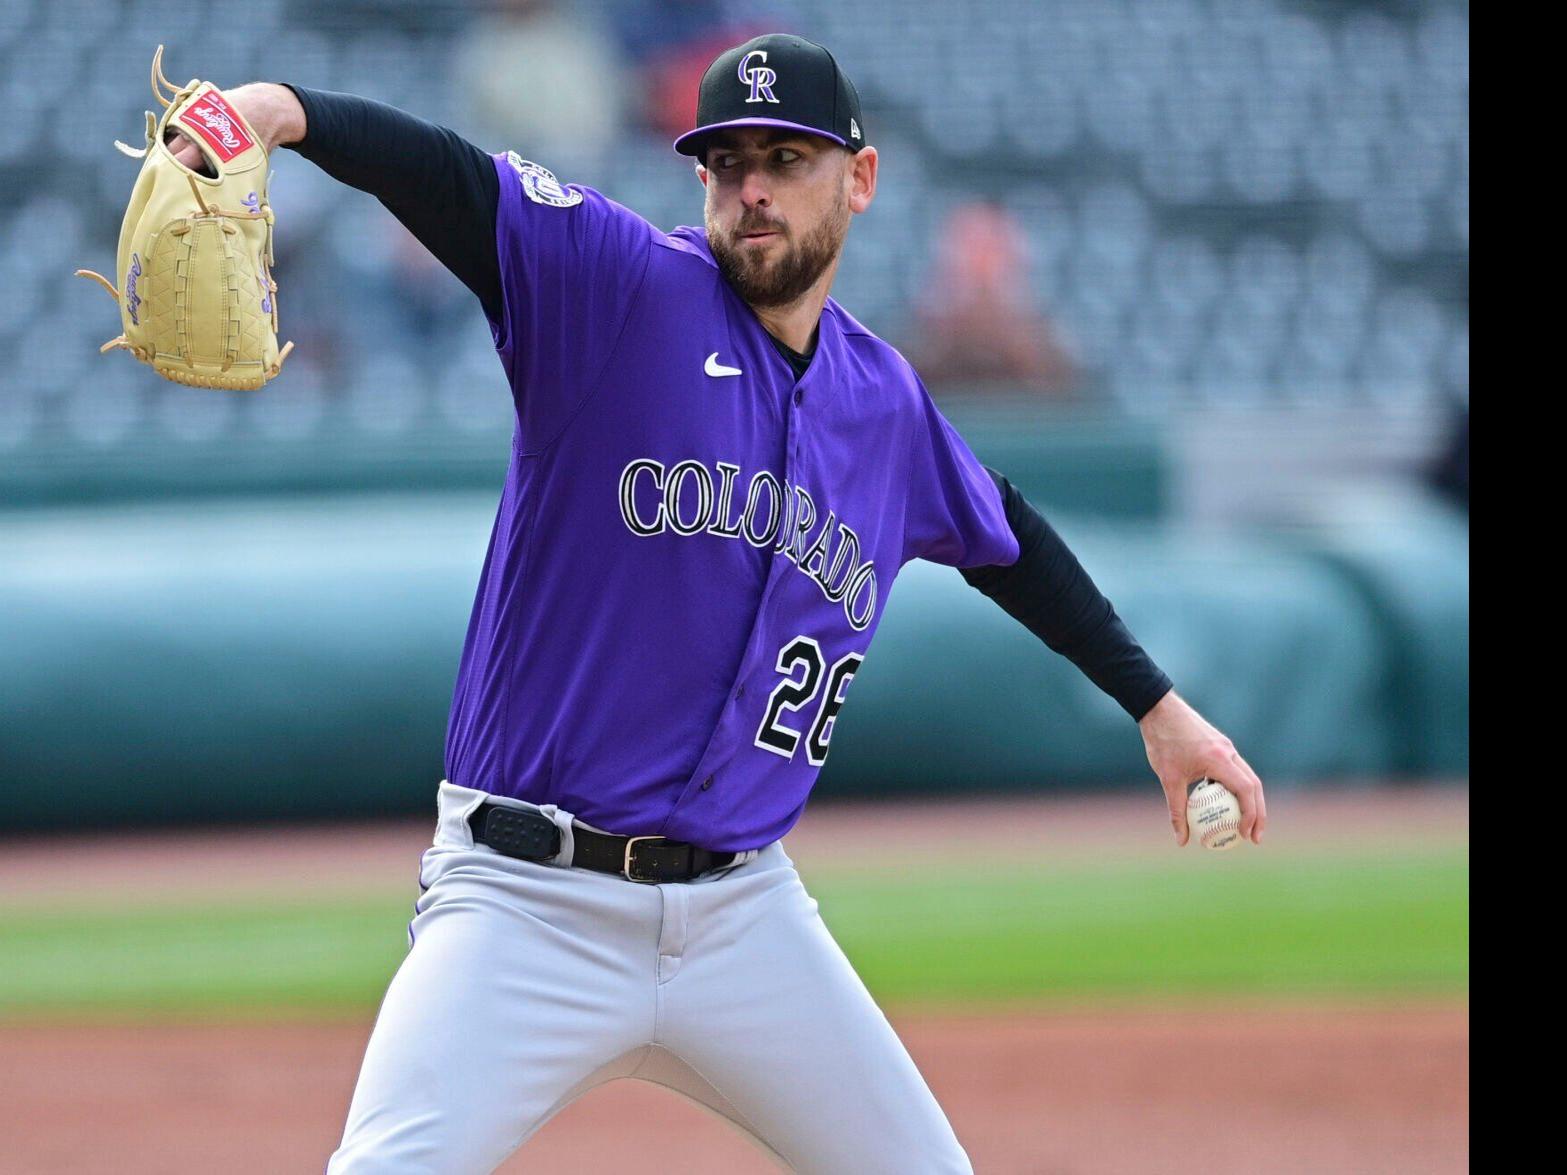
628 868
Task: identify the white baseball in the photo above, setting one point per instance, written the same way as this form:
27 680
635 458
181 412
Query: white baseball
1213 814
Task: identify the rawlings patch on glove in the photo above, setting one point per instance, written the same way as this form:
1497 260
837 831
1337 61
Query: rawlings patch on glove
196 295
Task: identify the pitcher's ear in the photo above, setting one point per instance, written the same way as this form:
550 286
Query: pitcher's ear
863 169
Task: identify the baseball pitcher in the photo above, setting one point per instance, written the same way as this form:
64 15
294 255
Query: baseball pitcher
716 474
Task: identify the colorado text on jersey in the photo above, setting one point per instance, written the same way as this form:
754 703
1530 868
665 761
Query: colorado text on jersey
775 513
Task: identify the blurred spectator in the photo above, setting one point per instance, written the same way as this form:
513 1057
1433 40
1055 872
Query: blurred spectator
672 42
407 304
429 300
1449 472
976 319
543 82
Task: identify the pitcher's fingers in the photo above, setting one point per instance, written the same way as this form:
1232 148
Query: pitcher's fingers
184 150
1175 800
1262 801
1240 782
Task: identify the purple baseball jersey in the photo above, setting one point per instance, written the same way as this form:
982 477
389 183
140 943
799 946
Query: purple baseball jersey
693 549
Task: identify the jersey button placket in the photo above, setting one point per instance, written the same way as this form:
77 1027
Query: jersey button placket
777 572
794 430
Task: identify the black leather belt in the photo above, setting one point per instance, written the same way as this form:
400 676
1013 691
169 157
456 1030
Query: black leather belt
533 836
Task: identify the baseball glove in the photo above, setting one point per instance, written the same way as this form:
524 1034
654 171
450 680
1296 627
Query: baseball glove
196 295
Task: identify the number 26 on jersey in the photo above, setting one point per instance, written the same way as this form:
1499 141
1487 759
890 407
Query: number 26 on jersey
806 675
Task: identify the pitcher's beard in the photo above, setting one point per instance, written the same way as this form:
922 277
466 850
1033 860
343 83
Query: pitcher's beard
770 282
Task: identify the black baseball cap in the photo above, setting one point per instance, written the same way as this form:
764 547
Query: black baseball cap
776 80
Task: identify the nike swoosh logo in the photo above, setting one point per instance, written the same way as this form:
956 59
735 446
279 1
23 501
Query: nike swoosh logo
715 369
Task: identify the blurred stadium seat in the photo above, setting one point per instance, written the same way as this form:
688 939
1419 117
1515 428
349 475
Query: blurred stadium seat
1228 203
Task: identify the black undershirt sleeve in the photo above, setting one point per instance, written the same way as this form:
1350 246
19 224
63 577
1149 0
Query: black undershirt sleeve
442 187
1048 591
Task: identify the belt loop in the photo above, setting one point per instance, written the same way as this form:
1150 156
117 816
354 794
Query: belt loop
454 805
562 821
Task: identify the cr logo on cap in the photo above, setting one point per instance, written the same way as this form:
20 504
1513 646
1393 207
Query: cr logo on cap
758 77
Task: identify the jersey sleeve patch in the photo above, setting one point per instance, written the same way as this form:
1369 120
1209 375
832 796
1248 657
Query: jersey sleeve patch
540 184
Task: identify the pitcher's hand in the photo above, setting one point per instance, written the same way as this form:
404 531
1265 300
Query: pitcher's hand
1182 748
272 111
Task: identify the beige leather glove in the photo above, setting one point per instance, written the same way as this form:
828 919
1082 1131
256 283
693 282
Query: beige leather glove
196 295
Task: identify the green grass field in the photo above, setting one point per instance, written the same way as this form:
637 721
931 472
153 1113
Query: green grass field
1358 927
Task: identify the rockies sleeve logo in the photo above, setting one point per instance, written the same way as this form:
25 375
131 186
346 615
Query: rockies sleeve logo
540 184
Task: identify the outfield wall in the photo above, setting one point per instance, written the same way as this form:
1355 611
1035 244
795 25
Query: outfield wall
293 656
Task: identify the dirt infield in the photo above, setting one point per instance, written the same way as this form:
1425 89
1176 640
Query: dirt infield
1282 1089
1302 1090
